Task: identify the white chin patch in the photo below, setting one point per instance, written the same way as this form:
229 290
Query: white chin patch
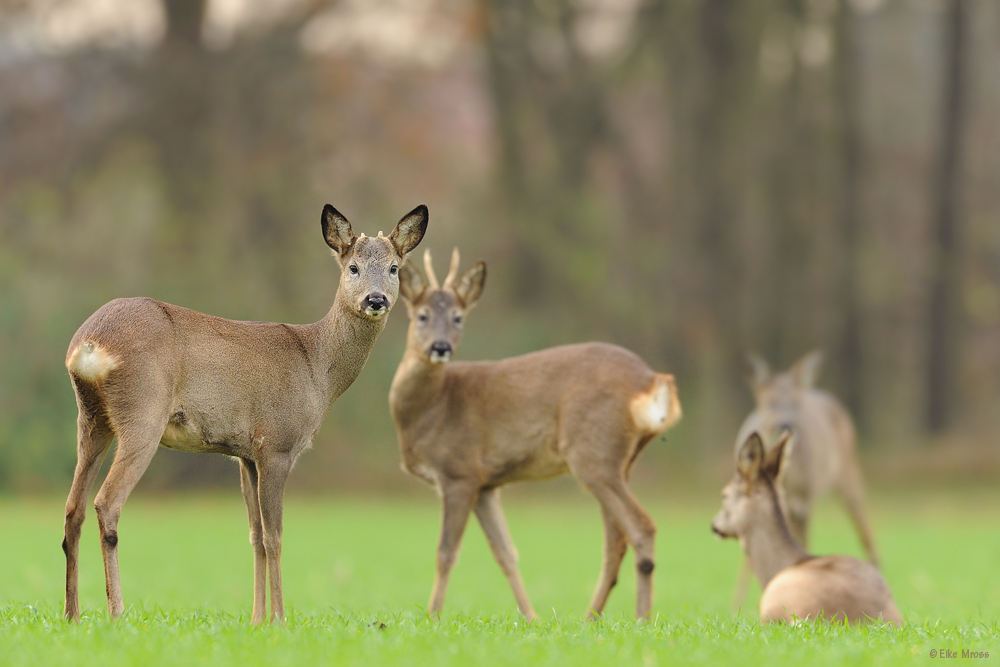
439 358
376 314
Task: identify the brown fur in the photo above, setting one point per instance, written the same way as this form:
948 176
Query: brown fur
469 428
796 586
825 456
155 374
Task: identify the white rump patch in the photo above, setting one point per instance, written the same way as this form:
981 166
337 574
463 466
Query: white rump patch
657 409
91 362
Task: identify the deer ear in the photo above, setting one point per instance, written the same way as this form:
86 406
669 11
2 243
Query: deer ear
806 370
411 284
470 286
336 230
410 230
761 371
750 457
776 459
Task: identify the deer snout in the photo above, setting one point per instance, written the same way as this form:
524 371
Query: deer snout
721 518
440 351
375 304
719 532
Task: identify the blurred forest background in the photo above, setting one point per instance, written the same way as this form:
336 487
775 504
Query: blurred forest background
692 179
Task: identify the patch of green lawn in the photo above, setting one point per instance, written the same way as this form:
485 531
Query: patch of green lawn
357 574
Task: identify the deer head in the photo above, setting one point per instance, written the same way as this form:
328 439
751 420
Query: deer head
369 281
751 494
437 310
779 396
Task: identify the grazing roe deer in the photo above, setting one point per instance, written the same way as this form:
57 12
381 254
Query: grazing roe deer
796 585
825 454
469 428
154 374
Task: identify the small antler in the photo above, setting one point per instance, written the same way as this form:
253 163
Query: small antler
432 281
453 270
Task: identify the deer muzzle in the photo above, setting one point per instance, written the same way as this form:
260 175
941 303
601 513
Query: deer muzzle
440 352
375 305
719 532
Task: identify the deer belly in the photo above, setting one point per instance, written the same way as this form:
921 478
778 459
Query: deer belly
536 465
183 436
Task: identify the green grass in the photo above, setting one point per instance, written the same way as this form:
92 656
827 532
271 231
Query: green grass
358 572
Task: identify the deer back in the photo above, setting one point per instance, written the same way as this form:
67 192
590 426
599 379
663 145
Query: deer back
830 587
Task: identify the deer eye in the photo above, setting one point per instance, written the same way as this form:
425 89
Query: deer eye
393 270
354 269
422 317
458 320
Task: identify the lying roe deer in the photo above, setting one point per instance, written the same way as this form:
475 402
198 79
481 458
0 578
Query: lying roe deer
469 428
825 454
155 374
796 585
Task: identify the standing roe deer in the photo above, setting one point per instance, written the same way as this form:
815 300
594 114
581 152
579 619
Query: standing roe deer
796 585
155 374
469 428
825 454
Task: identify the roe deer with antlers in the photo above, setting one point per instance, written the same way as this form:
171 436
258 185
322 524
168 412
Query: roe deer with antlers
154 374
825 455
469 428
796 586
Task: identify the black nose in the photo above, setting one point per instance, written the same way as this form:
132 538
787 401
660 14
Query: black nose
376 302
441 347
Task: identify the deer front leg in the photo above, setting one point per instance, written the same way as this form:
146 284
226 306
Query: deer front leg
852 491
742 584
615 546
491 518
457 499
798 520
92 444
248 484
136 447
272 474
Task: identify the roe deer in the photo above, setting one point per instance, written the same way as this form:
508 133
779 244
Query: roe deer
155 374
796 585
825 454
469 428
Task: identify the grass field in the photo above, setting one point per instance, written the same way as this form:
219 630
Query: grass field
357 575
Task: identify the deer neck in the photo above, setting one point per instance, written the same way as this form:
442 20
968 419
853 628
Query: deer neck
417 385
342 342
769 545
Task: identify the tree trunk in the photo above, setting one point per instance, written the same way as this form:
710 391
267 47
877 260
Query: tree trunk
944 268
849 107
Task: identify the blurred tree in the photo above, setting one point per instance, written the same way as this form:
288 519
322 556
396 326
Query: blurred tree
551 114
945 261
848 355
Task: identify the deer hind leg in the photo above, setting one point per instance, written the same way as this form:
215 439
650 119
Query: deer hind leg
457 500
248 484
137 444
491 518
272 474
640 531
615 545
851 490
93 437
